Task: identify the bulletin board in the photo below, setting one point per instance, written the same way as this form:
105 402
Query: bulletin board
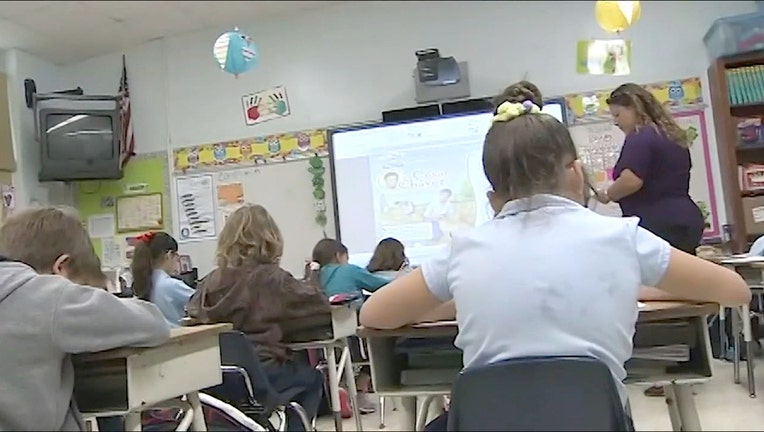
599 142
145 175
211 181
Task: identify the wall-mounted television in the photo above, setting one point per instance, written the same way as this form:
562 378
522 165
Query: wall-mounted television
79 144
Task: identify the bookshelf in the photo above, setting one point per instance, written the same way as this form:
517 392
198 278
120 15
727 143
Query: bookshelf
736 84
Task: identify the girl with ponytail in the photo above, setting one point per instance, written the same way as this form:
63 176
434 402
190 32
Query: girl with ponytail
154 260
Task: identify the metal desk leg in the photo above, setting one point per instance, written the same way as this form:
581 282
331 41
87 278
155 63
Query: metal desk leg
408 420
745 316
736 345
685 403
334 386
133 422
673 409
352 390
198 423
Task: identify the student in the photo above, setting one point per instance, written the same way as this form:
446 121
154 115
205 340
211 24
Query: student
264 301
45 317
339 277
545 261
389 259
154 259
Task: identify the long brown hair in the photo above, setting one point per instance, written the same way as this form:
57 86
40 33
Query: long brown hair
389 255
649 110
149 251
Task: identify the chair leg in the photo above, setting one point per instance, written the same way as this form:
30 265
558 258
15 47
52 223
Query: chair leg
382 412
306 422
282 420
423 411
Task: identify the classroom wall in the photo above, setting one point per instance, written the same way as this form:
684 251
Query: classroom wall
18 66
349 62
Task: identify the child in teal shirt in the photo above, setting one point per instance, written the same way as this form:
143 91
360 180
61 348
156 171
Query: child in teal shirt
337 276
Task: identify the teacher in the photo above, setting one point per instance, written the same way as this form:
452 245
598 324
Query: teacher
652 174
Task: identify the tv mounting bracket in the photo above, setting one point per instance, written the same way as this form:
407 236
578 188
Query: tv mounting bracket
77 94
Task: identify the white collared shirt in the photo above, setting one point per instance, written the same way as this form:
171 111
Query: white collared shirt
548 277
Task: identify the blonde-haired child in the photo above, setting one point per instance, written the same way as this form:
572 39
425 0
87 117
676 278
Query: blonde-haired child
251 290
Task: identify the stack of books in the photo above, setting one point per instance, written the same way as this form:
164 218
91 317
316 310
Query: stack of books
745 85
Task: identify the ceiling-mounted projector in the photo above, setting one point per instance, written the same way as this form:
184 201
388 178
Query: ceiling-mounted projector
434 70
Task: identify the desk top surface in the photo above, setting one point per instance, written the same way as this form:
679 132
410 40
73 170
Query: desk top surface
177 336
652 311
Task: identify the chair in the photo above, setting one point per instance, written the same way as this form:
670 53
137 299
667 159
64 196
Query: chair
537 394
246 386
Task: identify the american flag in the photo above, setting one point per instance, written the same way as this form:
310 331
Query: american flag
127 143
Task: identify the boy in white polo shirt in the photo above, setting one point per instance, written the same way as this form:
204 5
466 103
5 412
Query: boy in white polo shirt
545 262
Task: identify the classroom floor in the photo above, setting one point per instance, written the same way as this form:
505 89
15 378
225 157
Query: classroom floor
722 406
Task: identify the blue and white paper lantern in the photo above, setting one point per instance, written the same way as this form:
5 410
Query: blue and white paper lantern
235 52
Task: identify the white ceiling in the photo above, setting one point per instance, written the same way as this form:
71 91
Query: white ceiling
63 32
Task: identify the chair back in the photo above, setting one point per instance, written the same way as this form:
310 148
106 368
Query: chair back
537 394
238 351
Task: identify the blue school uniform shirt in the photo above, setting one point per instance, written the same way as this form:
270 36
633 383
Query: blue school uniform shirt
170 295
548 277
348 279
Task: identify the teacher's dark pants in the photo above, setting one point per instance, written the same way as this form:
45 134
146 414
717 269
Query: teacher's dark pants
684 238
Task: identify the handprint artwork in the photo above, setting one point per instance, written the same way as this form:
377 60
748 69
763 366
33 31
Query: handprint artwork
265 105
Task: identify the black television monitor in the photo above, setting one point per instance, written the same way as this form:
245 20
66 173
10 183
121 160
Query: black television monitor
79 144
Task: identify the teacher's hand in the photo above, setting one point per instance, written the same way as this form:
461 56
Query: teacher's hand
602 196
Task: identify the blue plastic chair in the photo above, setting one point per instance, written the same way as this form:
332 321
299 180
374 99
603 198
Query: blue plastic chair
538 394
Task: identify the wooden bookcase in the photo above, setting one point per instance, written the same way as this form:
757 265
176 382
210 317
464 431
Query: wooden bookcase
731 155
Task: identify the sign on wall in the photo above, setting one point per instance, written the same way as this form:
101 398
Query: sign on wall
265 105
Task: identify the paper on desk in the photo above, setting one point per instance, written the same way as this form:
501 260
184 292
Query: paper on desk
641 305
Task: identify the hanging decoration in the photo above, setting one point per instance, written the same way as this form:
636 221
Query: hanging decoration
235 52
317 170
617 16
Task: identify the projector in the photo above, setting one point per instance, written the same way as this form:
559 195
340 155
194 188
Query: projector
434 70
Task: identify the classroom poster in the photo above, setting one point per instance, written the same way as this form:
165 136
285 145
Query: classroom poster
230 196
251 151
196 208
265 105
684 95
603 57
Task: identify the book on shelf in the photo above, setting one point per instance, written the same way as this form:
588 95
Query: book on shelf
745 85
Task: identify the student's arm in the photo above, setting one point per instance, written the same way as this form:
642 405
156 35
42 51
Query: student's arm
683 276
409 299
364 279
444 312
89 320
180 293
647 293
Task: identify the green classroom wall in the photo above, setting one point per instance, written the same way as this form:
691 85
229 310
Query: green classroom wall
149 169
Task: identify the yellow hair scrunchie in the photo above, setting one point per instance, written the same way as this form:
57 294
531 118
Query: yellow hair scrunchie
509 110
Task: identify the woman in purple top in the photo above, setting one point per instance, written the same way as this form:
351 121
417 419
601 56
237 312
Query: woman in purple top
652 175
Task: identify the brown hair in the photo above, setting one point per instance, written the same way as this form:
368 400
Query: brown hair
527 154
249 234
519 91
326 250
649 110
149 251
389 255
38 237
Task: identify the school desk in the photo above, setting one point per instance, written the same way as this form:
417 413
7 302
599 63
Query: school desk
657 323
344 324
131 380
752 270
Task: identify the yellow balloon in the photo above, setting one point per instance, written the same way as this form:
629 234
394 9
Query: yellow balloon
617 16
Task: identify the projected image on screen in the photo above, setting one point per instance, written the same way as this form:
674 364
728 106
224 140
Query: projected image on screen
417 182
